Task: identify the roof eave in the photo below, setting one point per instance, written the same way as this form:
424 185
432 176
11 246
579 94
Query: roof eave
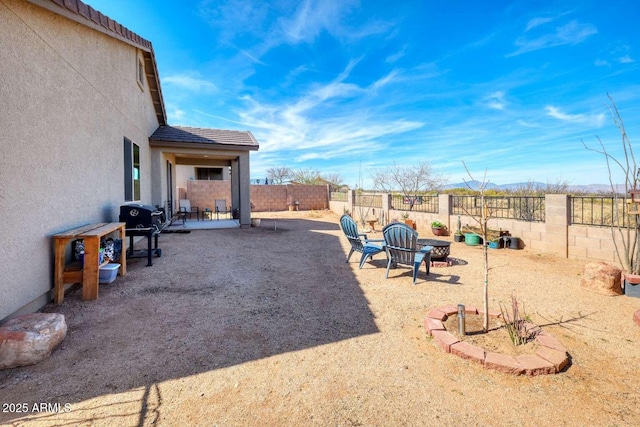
202 145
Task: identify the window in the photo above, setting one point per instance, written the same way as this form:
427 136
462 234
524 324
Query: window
209 174
131 171
140 71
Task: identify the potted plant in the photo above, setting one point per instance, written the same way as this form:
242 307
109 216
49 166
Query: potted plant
411 223
458 236
438 228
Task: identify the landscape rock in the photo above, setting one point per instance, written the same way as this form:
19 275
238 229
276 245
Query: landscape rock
30 338
602 278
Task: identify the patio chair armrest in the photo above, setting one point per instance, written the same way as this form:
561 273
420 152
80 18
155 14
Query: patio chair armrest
373 240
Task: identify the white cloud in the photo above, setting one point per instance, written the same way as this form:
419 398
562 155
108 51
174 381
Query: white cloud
536 22
626 59
495 100
596 120
175 114
396 56
190 83
314 16
571 33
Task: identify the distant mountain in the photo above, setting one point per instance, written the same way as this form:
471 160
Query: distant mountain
588 189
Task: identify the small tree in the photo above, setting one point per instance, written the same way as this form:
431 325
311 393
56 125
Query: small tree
306 176
627 244
334 179
482 220
409 180
278 175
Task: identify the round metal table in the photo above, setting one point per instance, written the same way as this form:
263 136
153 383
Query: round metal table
441 248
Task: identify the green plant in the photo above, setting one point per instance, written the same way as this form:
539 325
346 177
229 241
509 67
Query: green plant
405 215
515 322
437 224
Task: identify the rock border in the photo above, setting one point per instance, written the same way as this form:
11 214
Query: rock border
551 357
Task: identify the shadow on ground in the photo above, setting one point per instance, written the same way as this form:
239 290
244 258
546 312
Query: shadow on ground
215 298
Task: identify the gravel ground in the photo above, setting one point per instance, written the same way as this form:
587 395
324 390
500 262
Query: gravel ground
269 326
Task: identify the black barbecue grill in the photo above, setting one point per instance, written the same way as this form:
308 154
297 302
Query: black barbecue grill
146 221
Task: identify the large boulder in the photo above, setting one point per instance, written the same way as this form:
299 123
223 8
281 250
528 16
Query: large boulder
602 278
30 338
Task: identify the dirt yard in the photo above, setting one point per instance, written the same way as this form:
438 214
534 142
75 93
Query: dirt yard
269 326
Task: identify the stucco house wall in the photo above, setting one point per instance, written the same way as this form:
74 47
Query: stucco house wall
69 98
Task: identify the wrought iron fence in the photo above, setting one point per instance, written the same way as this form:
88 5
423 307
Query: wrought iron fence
602 211
427 203
524 208
338 196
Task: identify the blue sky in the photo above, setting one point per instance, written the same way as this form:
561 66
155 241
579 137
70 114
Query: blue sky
349 87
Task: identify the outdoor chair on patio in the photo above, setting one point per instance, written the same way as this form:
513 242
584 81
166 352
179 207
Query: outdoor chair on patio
401 244
359 241
186 209
221 208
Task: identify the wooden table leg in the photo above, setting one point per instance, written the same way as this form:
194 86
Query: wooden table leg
58 284
91 269
123 252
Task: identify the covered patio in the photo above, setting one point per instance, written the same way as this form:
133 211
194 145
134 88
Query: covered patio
176 145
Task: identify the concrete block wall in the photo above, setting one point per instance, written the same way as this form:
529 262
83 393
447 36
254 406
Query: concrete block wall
269 198
205 193
278 197
264 198
556 236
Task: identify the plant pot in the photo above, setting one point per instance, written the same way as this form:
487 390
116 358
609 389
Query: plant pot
292 208
514 243
472 239
255 222
411 223
631 285
439 231
458 238
494 245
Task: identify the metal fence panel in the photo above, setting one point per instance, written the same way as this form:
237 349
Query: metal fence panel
524 208
415 203
604 211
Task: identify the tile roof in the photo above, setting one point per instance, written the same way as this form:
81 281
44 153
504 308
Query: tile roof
85 14
181 134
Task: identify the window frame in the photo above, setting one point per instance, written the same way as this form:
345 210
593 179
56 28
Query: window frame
140 72
132 171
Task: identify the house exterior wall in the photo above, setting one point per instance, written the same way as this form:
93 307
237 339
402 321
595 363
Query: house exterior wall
69 98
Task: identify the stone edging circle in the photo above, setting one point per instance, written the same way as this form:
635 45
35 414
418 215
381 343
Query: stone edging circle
550 358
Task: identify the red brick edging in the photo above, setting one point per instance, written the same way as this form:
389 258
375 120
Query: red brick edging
550 358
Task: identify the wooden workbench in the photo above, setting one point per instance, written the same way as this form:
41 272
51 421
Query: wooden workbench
89 274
